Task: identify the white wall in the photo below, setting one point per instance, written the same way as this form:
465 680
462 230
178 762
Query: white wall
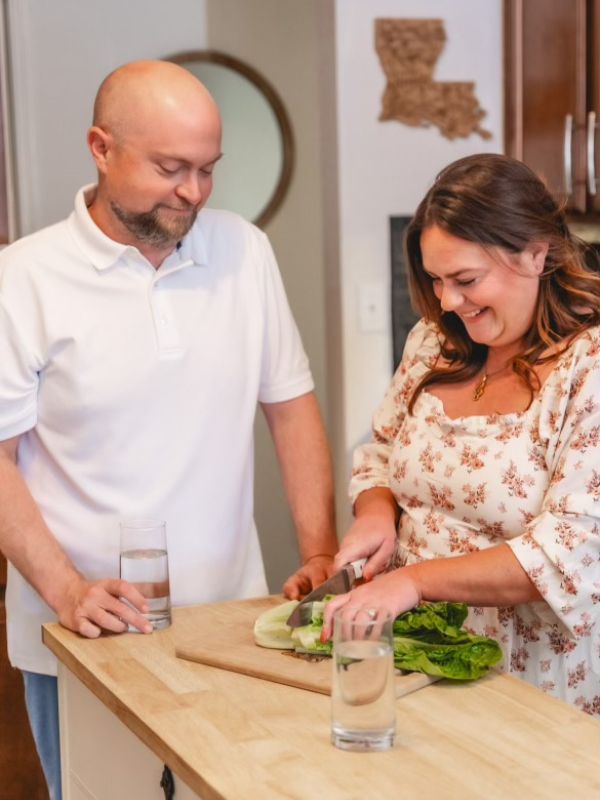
385 168
59 53
279 39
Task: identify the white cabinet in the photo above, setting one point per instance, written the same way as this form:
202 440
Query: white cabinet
101 758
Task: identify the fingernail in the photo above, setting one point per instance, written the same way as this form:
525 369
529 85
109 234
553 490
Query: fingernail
148 628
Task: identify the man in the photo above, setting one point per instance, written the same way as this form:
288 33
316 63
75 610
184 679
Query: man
136 338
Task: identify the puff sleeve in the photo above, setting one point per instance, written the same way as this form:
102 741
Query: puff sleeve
371 461
560 547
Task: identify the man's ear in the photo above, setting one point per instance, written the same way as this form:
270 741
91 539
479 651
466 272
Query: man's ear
537 252
99 142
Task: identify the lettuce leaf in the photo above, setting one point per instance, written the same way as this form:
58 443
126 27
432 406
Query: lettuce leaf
433 622
464 662
430 638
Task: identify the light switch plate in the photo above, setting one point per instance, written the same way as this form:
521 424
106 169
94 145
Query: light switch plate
373 307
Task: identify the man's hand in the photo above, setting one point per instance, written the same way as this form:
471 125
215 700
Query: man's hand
90 607
310 575
87 607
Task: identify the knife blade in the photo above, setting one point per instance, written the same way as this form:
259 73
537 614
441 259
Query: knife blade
340 583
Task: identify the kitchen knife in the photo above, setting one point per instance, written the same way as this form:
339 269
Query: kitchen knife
340 583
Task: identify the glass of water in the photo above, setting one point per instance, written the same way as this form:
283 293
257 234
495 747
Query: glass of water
363 697
144 563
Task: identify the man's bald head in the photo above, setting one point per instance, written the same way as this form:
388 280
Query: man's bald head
155 138
132 95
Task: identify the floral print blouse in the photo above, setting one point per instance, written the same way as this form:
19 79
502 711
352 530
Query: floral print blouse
530 479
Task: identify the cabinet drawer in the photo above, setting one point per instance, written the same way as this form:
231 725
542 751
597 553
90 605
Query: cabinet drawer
101 758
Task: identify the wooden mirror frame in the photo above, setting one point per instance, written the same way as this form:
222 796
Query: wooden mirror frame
281 115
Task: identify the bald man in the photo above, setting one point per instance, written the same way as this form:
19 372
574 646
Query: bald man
136 339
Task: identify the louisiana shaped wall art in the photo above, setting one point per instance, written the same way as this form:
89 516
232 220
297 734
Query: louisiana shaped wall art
408 50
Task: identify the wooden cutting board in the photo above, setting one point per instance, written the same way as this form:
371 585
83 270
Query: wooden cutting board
221 635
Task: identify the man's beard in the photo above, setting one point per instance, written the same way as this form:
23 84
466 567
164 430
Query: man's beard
149 228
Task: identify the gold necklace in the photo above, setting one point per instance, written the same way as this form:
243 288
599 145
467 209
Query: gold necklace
481 386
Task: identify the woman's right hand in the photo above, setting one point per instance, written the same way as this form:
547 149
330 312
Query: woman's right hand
373 534
370 537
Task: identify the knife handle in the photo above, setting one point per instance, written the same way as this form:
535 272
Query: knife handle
358 567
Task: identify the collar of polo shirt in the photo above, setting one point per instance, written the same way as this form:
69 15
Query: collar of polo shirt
105 252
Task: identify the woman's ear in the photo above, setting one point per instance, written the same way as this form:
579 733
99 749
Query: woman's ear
536 253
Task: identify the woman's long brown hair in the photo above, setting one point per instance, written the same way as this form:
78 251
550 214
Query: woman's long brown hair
497 201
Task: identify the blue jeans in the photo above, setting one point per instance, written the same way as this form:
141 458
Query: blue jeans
41 699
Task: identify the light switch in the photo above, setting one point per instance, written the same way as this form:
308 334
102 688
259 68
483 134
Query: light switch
373 307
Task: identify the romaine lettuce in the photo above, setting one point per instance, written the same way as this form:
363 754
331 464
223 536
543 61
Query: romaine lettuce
429 638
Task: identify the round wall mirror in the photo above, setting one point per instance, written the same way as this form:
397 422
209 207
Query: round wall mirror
255 171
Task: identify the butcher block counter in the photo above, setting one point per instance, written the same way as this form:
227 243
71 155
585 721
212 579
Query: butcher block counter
129 705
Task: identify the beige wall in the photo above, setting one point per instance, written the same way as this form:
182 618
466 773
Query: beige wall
279 39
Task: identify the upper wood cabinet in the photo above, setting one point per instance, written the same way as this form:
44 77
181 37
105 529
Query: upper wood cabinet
552 94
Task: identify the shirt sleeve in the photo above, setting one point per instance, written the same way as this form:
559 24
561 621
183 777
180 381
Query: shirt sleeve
560 548
20 360
285 372
370 461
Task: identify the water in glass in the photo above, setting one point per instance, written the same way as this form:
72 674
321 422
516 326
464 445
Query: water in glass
148 570
363 695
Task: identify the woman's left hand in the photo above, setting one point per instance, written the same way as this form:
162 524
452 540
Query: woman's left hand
394 592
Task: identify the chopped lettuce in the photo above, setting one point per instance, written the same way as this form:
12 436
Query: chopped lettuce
307 638
270 629
429 638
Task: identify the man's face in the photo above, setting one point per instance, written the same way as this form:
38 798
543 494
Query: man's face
155 182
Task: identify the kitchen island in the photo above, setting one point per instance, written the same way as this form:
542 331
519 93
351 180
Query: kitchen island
128 706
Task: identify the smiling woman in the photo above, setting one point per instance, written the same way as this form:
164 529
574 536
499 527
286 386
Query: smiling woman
493 292
256 170
480 481
495 267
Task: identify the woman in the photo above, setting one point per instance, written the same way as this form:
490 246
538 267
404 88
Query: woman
482 480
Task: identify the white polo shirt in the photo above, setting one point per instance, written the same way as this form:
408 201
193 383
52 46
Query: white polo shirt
135 392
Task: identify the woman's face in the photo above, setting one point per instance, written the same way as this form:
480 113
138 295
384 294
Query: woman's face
494 292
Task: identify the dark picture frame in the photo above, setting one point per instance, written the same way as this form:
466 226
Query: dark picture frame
403 315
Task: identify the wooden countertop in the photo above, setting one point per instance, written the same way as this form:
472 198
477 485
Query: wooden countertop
223 732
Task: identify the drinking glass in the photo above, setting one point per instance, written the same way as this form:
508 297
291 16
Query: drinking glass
363 698
144 563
